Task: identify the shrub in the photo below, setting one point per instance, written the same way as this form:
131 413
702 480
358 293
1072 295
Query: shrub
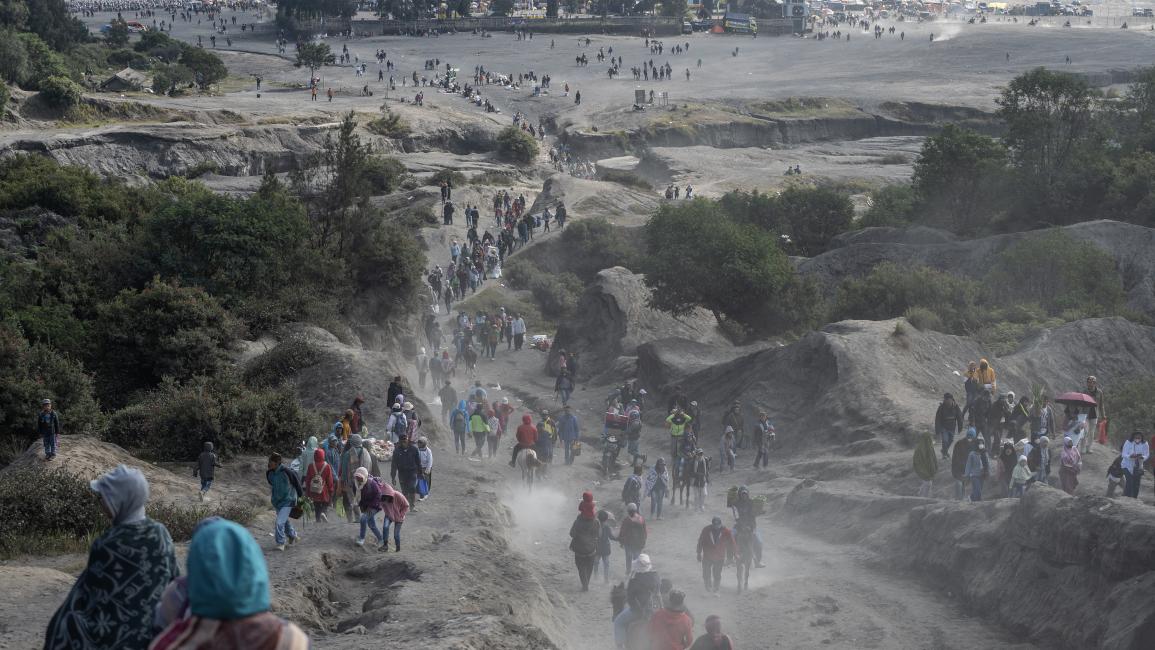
181 521
43 62
591 245
389 124
518 271
454 177
384 173
557 294
500 179
60 92
891 290
923 319
281 363
166 330
171 78
627 178
36 505
1131 409
1059 273
172 422
516 146
892 205
4 97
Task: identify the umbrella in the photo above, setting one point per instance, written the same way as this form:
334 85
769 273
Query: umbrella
1076 399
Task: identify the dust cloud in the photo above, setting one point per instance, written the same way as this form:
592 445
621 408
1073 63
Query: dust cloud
538 515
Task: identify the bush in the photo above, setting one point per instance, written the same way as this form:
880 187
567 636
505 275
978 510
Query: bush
173 422
1131 409
385 173
516 146
171 78
207 67
30 373
892 205
60 92
923 319
492 178
891 290
43 62
38 181
558 294
627 178
181 521
166 330
591 245
281 363
36 505
454 177
389 124
518 271
4 97
1059 273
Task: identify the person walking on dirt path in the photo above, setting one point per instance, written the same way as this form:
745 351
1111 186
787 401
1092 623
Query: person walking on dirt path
1070 464
561 214
206 467
329 92
352 459
715 547
671 627
733 419
925 464
314 93
479 427
986 377
111 604
958 461
422 365
369 502
284 493
948 422
1135 453
517 327
632 534
395 507
764 436
657 486
746 515
980 413
319 484
976 469
726 453
404 468
699 472
605 546
642 595
568 431
448 397
48 427
563 387
425 455
584 534
459 424
226 605
1094 414
713 639
526 437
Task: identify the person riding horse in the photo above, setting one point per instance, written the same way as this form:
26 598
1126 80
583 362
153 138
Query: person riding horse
746 515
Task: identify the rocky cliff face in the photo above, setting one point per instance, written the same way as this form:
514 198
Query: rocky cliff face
614 319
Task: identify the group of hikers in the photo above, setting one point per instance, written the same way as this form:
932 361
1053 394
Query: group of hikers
1010 445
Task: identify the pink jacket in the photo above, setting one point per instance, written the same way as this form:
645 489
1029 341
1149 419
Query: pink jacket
396 509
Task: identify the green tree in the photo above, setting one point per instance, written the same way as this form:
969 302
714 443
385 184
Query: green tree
551 9
171 78
501 7
4 95
1057 272
49 20
891 290
164 330
814 216
674 8
696 256
892 205
313 56
117 34
336 188
516 146
14 67
957 179
207 67
60 92
1131 194
43 62
159 45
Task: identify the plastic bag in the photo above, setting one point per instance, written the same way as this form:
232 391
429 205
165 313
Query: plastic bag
422 487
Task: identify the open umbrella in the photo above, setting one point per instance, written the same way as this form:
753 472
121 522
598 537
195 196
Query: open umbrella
1076 399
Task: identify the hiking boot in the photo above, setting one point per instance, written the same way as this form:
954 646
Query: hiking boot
280 547
293 539
385 546
398 546
360 541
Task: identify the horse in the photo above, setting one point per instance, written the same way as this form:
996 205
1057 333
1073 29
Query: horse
531 467
744 539
637 638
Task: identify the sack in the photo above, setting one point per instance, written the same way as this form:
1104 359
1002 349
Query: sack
317 484
297 512
422 487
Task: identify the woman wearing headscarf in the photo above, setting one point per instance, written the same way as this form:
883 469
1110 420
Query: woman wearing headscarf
657 485
354 458
1069 465
584 534
925 464
129 566
228 592
713 639
306 456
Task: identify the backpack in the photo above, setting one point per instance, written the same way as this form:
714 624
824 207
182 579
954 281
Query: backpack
632 490
457 421
400 425
317 484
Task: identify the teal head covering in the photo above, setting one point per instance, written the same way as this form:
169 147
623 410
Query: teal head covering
227 576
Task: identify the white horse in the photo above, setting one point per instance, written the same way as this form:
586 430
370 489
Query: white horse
531 467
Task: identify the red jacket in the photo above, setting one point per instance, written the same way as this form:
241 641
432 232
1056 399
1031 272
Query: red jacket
716 552
670 630
326 470
526 433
